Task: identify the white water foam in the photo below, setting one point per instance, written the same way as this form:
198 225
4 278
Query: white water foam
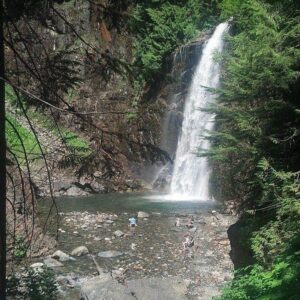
190 178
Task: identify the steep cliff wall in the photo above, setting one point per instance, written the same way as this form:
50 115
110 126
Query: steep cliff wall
82 52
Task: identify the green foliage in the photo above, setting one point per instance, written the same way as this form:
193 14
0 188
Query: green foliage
77 147
257 104
41 285
20 140
10 95
17 135
161 26
255 149
20 249
71 95
36 284
279 191
279 282
131 116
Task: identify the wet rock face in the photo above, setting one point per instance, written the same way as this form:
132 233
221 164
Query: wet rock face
116 139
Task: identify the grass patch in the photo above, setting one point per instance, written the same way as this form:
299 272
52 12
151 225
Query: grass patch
76 145
20 140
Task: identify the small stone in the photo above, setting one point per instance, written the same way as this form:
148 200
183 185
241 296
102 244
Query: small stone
109 221
224 242
118 233
193 230
79 251
97 174
116 273
110 254
137 267
107 239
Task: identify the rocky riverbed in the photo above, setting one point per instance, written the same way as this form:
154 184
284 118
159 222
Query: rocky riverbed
114 261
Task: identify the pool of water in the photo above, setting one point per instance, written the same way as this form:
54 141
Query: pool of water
131 202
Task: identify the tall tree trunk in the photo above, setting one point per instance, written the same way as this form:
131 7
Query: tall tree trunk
2 166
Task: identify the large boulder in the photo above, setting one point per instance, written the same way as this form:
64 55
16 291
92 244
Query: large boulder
52 263
79 251
61 256
37 267
76 191
61 186
103 287
142 214
158 288
97 187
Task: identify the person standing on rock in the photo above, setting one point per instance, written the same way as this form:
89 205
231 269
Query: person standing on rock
188 242
132 222
190 223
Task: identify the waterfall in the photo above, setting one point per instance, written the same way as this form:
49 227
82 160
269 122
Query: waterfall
190 178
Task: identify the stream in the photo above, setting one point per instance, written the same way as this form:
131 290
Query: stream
153 250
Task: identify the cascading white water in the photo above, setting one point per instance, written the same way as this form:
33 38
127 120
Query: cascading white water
191 173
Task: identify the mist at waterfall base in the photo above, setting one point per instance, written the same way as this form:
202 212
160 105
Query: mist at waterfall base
191 173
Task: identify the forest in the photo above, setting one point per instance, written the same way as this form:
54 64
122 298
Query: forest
87 88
